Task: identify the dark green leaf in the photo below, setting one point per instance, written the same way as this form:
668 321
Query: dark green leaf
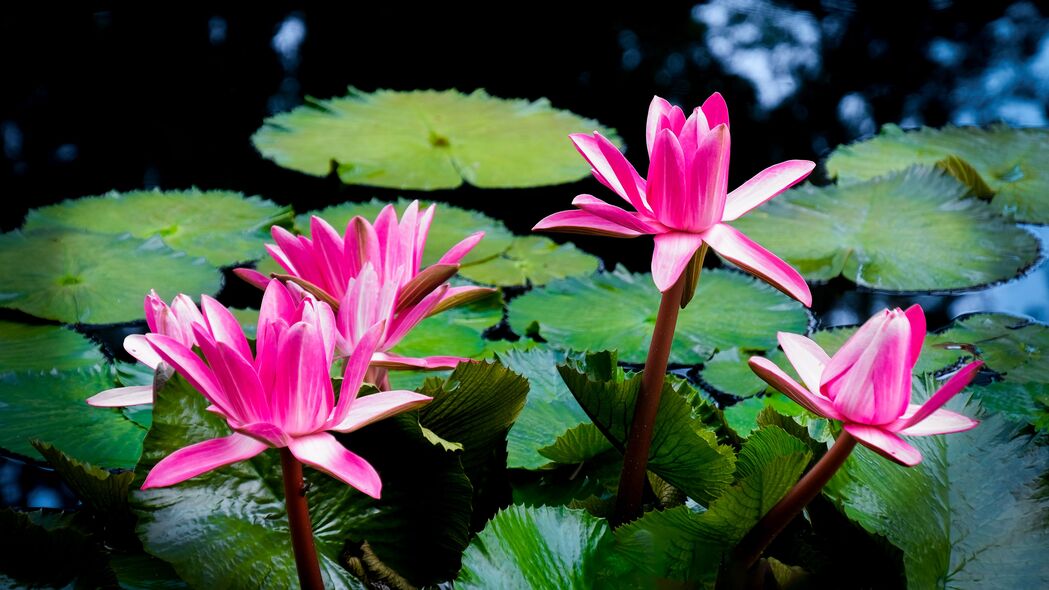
578 444
1026 403
1013 346
35 556
103 492
45 348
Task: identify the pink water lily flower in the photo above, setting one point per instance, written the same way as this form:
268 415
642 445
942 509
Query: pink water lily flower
684 202
176 321
282 395
867 384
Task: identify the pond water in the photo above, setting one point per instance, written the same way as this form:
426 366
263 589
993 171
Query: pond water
131 99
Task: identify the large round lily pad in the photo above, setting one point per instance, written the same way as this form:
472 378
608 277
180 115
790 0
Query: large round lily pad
80 277
1013 164
913 231
222 226
45 348
532 260
617 310
428 139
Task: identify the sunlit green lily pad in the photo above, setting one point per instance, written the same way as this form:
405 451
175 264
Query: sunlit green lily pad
79 277
913 230
44 348
428 139
1015 347
1013 163
455 332
533 260
222 226
617 311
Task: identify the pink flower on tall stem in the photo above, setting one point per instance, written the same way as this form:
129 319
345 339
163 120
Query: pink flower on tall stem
684 203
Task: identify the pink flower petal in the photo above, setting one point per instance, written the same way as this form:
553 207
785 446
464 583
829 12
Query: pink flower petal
224 327
327 254
953 386
456 296
737 248
399 327
716 110
321 451
885 444
302 394
360 246
658 119
393 361
941 422
916 318
353 376
422 230
456 253
137 346
695 127
850 352
581 222
780 381
671 255
707 181
608 162
806 356
204 456
375 407
666 180
189 365
766 184
877 388
616 215
120 397
252 277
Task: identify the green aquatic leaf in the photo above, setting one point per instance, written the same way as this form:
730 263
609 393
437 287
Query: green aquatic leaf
455 332
50 407
578 444
103 492
742 416
617 310
45 348
224 227
912 230
79 277
429 139
1015 347
538 547
532 260
1013 163
1025 403
728 372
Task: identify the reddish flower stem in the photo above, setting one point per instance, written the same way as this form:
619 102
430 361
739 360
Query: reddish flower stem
299 519
639 439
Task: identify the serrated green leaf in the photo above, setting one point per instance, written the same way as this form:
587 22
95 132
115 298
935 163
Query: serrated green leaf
45 348
617 310
577 444
532 260
224 227
103 492
429 139
912 230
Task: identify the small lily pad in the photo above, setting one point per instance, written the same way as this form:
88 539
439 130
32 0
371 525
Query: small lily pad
45 348
222 226
428 139
1012 163
912 231
617 310
79 277
532 260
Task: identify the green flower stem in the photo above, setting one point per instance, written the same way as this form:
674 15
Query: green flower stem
299 520
639 439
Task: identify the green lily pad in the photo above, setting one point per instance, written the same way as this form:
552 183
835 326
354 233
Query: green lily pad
428 139
79 277
538 547
45 348
50 407
532 260
1026 403
1010 162
743 416
103 492
223 227
911 230
455 332
728 372
617 310
970 514
1015 347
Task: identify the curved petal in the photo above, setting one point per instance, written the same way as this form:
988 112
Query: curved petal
120 397
189 365
328 254
375 407
707 181
693 130
671 255
404 321
581 222
885 443
766 184
204 456
393 361
137 346
252 277
716 110
806 356
224 327
780 381
850 352
302 396
666 180
877 388
422 230
617 215
458 251
456 296
916 318
353 376
658 119
941 422
737 248
955 384
611 165
321 451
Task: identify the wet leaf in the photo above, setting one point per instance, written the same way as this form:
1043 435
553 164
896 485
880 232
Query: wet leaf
45 348
533 260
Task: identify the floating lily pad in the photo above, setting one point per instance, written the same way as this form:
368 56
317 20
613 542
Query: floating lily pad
1015 347
728 372
617 310
79 277
455 332
532 260
913 230
428 139
743 416
222 226
1026 403
45 348
1013 163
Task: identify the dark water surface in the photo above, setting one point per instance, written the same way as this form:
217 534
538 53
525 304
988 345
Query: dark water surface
132 99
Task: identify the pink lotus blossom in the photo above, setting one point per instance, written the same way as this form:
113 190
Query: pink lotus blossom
867 384
280 397
177 322
685 201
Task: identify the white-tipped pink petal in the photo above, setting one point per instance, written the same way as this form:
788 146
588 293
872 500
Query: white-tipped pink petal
671 255
137 346
716 110
456 253
204 456
189 365
581 222
377 406
885 444
666 180
940 422
658 119
740 250
224 327
806 356
617 215
327 254
916 319
277 304
321 451
393 361
610 165
849 353
252 277
952 387
780 381
876 389
302 394
120 397
704 201
766 184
